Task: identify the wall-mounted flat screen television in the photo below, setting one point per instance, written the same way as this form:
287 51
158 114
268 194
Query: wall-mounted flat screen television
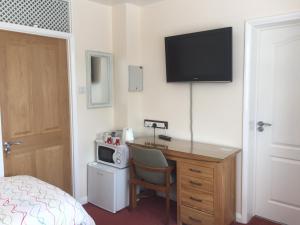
203 56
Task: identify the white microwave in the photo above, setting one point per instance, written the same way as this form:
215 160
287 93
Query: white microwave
116 156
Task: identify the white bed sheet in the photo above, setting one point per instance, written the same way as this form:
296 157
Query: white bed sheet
25 200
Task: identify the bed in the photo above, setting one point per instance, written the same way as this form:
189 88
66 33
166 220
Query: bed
25 200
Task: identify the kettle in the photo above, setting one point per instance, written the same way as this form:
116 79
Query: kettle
127 135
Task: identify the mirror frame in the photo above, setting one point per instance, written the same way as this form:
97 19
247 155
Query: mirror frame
89 55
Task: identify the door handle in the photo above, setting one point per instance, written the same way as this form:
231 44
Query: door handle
261 125
7 145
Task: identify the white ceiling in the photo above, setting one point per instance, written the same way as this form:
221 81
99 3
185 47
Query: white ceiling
136 2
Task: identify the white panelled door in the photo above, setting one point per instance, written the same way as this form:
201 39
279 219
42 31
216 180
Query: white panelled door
278 143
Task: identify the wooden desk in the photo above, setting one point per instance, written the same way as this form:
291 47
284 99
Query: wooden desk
206 177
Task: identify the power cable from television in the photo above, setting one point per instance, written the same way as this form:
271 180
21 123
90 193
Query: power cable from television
191 113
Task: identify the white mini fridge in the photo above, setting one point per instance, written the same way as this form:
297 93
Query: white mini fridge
108 187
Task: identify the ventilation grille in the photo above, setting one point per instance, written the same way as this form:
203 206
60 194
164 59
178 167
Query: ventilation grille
47 14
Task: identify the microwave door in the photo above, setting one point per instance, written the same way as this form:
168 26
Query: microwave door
105 154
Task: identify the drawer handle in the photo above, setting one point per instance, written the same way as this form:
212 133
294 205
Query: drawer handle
195 183
195 171
196 220
195 199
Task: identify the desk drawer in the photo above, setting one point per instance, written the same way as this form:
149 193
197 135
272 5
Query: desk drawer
198 200
188 182
191 216
190 170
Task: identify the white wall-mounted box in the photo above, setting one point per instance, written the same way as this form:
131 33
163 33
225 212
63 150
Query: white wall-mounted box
135 78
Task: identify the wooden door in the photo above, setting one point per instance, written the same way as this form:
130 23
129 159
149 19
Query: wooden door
35 107
278 140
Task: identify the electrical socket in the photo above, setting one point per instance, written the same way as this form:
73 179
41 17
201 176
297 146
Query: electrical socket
159 124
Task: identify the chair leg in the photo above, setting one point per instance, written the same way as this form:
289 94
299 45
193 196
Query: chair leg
132 196
167 208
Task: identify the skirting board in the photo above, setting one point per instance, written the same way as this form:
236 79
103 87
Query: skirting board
83 200
238 217
172 197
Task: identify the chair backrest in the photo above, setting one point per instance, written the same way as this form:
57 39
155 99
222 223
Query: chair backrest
151 158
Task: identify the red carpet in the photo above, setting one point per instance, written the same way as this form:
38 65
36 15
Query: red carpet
150 211
259 221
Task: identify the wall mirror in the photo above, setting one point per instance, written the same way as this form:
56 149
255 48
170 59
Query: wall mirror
99 79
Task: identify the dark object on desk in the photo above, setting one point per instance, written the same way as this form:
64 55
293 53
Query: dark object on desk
164 137
150 169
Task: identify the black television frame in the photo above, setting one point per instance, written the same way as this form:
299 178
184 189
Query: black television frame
228 72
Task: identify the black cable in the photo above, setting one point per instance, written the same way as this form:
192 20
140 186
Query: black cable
191 112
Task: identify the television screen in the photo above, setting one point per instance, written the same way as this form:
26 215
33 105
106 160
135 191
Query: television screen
203 56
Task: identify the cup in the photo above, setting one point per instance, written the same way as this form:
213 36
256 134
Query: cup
109 140
117 141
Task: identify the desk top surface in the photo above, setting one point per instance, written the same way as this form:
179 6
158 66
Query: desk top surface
187 149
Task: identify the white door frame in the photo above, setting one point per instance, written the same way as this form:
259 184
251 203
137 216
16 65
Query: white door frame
72 88
252 30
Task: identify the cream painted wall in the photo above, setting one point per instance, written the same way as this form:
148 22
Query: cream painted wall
92 28
217 107
135 35
120 65
126 48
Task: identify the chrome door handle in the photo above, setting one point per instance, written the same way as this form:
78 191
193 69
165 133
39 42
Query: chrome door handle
261 125
7 145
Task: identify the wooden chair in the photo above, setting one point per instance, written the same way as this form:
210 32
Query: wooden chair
150 169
